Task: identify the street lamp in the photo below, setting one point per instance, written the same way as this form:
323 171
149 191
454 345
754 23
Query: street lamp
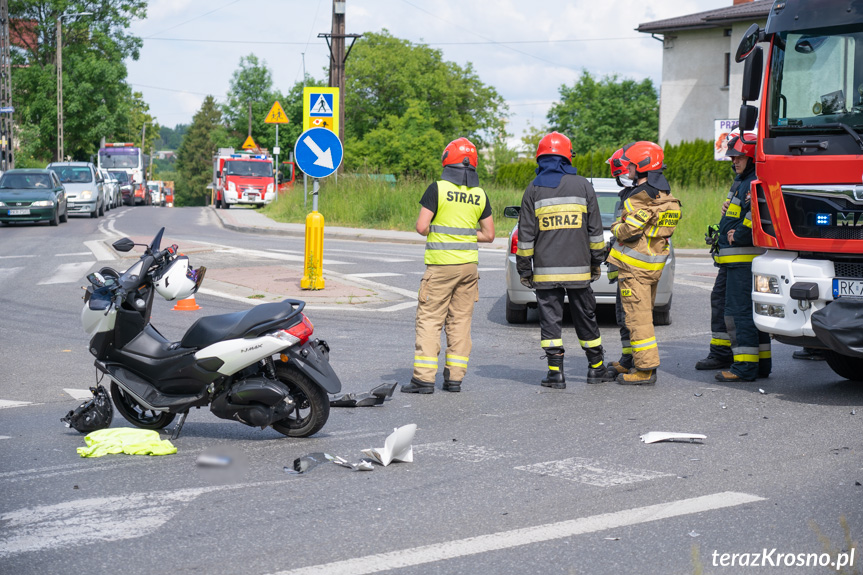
60 79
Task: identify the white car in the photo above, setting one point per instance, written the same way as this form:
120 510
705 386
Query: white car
113 198
520 298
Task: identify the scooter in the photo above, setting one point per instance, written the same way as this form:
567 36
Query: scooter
259 367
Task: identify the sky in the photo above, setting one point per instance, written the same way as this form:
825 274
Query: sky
525 49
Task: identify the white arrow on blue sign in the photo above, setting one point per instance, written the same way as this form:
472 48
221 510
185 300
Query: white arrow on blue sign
318 152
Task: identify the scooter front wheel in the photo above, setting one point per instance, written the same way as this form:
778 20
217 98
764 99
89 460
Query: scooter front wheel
137 414
311 404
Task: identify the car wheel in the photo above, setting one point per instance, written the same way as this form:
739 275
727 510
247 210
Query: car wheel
65 217
515 313
94 213
102 209
662 315
55 221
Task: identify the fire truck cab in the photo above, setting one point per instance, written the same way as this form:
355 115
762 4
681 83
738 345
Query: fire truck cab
242 178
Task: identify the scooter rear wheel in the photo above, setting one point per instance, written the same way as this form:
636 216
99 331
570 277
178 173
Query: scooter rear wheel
137 414
312 406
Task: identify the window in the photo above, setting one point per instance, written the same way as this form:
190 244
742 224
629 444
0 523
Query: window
726 76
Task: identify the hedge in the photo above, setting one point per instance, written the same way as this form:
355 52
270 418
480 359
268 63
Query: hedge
687 164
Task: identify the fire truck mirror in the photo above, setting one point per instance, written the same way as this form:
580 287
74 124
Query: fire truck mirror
752 74
748 118
747 43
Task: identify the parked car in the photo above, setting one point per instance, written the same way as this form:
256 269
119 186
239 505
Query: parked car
85 191
157 196
127 188
30 195
520 298
112 188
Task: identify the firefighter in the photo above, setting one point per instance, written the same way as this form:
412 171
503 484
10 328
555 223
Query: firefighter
450 210
620 172
750 348
560 249
641 247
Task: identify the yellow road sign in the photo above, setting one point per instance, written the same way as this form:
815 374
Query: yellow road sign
277 115
321 108
249 144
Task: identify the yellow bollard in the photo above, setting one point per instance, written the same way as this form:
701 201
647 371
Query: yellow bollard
313 277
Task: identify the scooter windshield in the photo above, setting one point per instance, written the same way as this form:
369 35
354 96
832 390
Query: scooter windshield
157 242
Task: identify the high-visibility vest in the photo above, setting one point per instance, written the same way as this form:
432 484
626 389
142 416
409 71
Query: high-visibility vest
452 233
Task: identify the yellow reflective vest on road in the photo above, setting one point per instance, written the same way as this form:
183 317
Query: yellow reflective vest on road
452 233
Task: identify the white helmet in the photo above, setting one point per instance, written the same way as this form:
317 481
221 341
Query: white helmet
178 280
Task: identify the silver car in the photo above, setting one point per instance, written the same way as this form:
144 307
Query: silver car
85 192
112 189
520 298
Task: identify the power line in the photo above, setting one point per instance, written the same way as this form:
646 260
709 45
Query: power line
490 42
150 37
173 90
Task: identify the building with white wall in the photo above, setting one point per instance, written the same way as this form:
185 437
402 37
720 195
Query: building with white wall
701 82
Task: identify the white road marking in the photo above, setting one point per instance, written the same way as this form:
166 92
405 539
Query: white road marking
81 394
5 437
312 307
4 403
374 275
68 273
72 254
592 472
459 451
275 256
9 272
706 286
87 521
100 252
525 536
10 257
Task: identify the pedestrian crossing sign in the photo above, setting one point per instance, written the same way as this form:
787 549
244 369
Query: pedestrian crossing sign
321 108
277 115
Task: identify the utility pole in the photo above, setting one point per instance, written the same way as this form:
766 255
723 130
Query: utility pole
59 88
338 57
7 161
250 118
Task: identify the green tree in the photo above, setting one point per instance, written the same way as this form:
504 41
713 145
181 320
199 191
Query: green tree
96 98
385 75
170 138
606 113
195 156
251 82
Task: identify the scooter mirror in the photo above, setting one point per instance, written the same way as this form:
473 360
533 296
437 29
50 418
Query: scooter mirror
123 245
96 279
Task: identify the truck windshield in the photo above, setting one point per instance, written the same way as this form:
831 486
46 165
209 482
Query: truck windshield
118 159
248 168
816 78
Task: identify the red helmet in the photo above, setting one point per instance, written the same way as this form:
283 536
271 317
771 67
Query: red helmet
461 151
555 143
646 156
736 147
618 165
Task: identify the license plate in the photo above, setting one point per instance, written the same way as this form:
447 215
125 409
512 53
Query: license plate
19 212
852 288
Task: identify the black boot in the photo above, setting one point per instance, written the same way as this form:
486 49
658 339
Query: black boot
555 379
601 374
712 363
453 386
417 386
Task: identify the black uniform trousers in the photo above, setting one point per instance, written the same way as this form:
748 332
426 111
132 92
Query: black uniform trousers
582 306
720 343
749 346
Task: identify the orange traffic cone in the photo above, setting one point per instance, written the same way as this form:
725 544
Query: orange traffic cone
187 304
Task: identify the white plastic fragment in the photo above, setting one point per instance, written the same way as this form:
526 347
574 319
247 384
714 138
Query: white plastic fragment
655 436
694 534
397 446
612 538
761 391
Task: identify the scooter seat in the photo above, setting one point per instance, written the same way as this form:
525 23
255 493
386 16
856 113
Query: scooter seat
211 329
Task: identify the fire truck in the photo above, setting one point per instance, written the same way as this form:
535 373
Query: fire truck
126 157
242 178
807 199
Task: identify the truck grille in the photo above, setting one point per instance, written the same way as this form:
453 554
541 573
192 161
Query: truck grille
847 270
841 233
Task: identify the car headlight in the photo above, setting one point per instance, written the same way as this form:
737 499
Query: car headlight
232 187
766 284
2 205
269 188
42 204
86 195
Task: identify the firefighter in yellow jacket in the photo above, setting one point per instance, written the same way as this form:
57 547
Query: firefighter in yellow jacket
642 234
450 211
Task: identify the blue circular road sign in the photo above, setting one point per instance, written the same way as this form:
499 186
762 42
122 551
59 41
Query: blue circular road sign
318 152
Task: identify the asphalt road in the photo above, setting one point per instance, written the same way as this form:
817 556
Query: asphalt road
508 477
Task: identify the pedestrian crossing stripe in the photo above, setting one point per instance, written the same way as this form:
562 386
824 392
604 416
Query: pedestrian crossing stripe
322 105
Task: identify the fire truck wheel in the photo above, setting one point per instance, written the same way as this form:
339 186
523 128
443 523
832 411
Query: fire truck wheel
845 366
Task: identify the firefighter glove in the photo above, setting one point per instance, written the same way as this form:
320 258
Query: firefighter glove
595 273
526 281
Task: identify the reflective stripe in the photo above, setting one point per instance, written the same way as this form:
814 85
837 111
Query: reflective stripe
764 351
562 270
626 351
627 205
720 342
737 255
451 231
612 275
561 274
461 246
568 208
736 201
551 343
422 361
559 201
457 360
553 368
733 210
638 259
595 365
747 220
746 358
597 239
720 335
635 222
525 245
524 253
590 342
644 344
597 245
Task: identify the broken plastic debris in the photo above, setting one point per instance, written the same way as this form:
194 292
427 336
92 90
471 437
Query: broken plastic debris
853 412
761 391
376 396
397 446
654 436
306 463
723 406
612 538
361 465
694 534
698 394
